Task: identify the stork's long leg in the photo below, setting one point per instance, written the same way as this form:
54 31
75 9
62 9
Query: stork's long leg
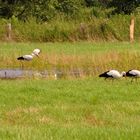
105 78
132 79
112 79
136 79
22 66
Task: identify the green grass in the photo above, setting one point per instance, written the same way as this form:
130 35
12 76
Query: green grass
69 109
60 29
68 48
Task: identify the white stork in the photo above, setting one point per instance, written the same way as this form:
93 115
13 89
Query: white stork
29 57
114 74
133 74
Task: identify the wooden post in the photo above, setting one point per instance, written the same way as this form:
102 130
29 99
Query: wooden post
8 31
83 30
132 23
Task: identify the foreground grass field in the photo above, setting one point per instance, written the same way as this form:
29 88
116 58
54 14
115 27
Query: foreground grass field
88 109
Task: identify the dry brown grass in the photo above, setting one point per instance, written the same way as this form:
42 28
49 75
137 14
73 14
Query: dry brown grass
14 116
83 63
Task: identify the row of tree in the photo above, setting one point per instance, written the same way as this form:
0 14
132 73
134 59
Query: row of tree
44 10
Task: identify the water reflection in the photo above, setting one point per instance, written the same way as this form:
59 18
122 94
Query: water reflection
20 73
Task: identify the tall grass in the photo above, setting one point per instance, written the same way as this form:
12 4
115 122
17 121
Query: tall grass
97 29
88 58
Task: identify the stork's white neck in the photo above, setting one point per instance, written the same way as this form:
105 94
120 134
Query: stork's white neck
33 54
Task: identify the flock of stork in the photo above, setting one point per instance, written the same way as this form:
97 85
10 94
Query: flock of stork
114 74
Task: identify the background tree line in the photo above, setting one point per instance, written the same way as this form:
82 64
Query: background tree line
45 10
